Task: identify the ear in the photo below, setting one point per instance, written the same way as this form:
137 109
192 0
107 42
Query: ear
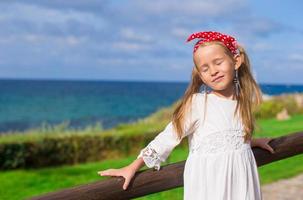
238 61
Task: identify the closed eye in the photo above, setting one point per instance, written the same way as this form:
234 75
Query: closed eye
204 69
218 61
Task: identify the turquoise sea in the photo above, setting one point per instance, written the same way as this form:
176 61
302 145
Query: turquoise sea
27 104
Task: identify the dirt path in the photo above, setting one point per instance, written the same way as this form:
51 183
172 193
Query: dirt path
285 189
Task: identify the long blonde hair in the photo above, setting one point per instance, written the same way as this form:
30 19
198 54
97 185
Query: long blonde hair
250 95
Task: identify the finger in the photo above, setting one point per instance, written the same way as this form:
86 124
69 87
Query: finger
102 173
126 182
270 149
109 172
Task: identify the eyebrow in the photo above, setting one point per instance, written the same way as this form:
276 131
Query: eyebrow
219 58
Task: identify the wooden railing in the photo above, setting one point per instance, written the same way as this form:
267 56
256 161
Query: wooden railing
170 176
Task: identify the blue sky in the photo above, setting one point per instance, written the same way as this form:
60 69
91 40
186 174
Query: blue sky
144 40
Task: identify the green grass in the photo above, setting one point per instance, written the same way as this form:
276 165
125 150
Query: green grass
153 123
19 184
273 127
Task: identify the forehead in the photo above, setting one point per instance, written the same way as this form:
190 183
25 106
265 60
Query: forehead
208 53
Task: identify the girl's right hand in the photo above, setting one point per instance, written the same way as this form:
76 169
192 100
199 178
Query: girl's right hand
127 172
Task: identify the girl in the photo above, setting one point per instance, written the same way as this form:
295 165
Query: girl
218 124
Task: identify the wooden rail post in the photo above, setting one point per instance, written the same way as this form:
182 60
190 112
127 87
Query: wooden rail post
170 176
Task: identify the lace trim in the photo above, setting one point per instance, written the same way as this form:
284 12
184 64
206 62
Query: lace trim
151 157
221 141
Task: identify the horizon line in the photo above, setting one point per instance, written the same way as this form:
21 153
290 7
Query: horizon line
122 80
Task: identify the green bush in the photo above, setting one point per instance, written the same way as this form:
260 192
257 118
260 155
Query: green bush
269 109
57 145
71 149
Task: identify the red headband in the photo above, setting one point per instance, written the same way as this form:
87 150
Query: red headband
208 36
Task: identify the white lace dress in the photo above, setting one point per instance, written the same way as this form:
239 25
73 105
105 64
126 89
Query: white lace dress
220 166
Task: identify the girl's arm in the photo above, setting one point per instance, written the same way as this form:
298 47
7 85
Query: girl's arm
160 147
262 143
137 164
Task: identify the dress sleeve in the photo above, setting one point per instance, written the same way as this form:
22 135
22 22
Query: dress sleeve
161 146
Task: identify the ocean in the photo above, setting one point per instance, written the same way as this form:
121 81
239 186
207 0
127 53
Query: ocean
26 104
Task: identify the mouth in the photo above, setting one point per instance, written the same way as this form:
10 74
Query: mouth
217 79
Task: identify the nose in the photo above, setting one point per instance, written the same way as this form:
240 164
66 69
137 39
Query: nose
213 71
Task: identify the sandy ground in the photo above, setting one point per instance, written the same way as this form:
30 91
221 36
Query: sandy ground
284 189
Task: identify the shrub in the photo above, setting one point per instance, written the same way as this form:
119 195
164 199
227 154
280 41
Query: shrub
71 149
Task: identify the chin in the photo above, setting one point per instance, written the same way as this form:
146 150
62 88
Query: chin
219 87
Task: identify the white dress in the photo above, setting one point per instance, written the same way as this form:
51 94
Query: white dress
220 166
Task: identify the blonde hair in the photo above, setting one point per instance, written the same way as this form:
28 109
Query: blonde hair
250 96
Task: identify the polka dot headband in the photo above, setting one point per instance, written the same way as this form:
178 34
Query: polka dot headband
208 36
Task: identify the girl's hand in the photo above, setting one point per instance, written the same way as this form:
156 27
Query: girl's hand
263 143
127 172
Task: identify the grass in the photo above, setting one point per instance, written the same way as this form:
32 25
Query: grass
20 184
153 123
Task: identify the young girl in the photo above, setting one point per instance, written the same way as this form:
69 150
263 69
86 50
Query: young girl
218 124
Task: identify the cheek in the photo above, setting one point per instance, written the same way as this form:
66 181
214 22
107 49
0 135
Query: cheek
228 71
226 67
206 78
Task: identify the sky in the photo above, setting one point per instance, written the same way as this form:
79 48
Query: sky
143 40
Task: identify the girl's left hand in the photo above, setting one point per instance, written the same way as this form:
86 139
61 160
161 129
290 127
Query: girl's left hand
263 143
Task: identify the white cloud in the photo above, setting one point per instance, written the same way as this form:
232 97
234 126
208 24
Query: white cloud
79 5
190 8
180 32
131 34
129 46
261 46
295 57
